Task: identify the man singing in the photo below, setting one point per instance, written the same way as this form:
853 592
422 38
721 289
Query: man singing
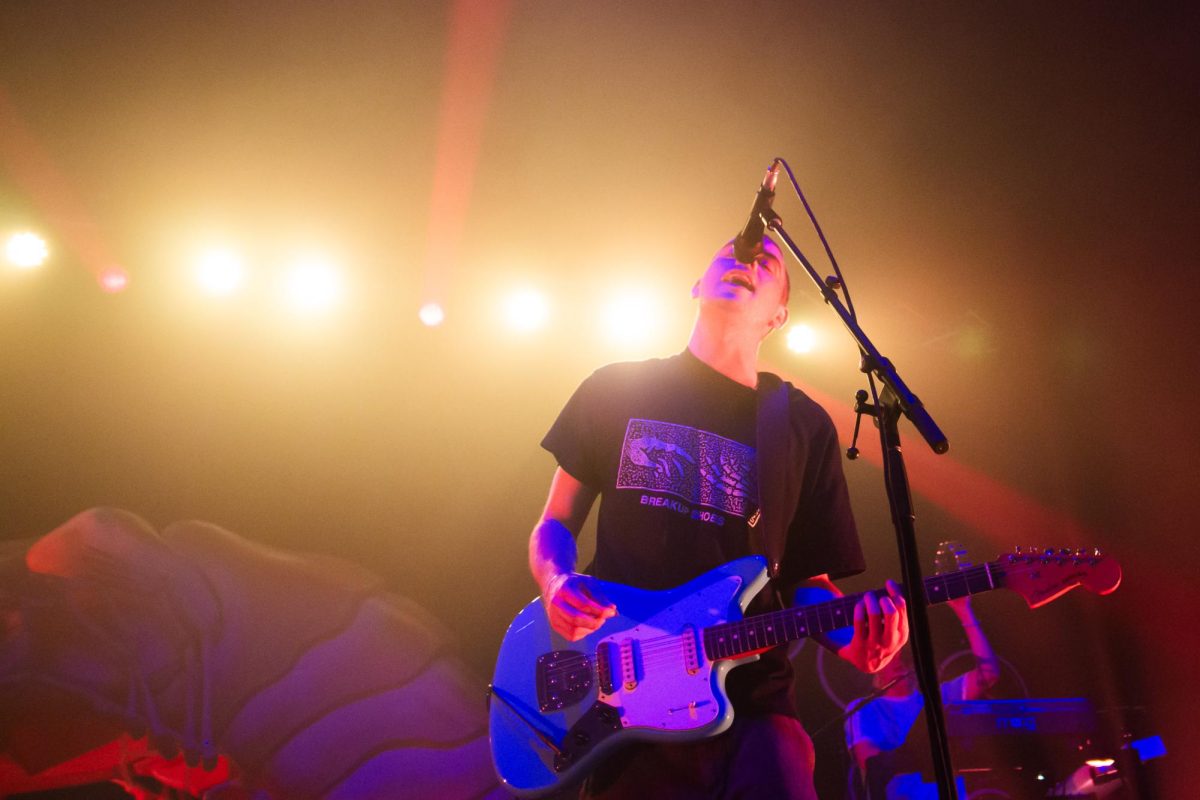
669 446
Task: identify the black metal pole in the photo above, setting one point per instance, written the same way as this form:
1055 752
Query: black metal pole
895 475
894 400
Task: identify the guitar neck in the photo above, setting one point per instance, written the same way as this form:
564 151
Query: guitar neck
762 631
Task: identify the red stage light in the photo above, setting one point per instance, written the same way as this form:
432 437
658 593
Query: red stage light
113 280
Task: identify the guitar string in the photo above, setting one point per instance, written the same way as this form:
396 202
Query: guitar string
751 625
669 647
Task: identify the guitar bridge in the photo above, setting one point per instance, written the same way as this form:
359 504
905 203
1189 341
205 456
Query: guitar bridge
564 677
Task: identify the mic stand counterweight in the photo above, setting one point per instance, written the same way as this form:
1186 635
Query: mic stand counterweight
894 400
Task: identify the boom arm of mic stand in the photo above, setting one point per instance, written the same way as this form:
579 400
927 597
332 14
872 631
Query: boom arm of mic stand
872 361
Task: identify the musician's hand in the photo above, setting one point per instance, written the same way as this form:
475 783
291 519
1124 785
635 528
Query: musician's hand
575 606
880 630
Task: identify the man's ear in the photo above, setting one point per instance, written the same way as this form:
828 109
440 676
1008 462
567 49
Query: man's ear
780 319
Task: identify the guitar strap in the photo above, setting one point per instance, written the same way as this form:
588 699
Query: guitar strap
778 491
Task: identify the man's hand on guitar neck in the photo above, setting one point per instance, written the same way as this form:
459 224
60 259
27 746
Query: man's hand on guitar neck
880 630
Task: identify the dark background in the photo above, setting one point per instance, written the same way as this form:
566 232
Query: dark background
1009 187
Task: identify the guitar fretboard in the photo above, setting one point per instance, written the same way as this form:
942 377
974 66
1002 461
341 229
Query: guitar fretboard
761 631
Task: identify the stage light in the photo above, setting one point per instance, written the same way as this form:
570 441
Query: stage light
113 280
26 250
631 316
526 310
313 285
219 272
801 339
431 315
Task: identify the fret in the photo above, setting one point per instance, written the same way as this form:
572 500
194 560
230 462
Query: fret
843 615
790 627
935 589
762 623
979 580
750 635
822 625
778 631
812 619
800 621
736 638
958 586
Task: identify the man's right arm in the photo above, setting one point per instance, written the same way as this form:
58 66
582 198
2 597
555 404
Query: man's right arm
573 604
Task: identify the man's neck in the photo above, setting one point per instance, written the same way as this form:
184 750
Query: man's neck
730 352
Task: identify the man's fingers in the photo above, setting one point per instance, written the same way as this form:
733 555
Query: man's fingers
593 594
860 617
573 627
563 613
874 617
574 611
579 592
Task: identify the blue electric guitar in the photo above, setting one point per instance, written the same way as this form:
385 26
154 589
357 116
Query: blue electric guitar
657 669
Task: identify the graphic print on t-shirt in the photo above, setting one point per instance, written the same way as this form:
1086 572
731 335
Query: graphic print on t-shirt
695 465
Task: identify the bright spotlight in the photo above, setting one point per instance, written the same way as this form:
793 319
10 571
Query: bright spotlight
313 285
431 315
26 250
801 339
219 272
526 310
113 280
632 317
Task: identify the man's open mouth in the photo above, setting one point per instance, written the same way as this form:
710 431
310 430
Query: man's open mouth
739 279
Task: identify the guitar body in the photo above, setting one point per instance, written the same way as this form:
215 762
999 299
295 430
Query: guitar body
657 669
558 707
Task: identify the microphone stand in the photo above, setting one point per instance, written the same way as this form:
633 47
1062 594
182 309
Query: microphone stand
894 400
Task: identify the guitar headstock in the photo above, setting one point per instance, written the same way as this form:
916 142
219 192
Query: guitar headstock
1042 574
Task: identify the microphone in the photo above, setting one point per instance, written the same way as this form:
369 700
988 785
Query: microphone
746 244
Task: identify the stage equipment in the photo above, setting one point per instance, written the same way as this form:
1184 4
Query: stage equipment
887 406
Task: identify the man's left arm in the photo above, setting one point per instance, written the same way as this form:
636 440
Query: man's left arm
880 627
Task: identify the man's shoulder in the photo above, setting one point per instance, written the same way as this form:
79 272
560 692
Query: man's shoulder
804 410
622 373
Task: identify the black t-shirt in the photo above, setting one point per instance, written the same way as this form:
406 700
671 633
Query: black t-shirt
670 445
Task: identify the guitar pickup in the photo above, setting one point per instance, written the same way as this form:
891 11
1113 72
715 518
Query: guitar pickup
691 649
619 665
631 664
606 655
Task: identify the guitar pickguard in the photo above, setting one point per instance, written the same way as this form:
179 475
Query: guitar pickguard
559 706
